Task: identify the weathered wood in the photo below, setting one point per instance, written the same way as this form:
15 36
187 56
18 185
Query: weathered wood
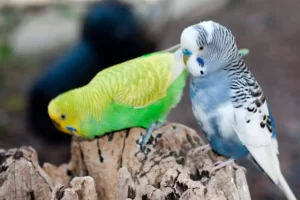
112 167
59 175
173 168
80 188
21 177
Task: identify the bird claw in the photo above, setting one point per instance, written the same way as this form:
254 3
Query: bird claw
142 145
218 163
144 139
221 164
236 166
204 148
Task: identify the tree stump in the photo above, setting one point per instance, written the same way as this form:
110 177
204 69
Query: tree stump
21 177
112 167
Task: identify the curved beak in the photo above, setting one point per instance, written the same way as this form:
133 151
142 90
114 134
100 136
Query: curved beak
185 59
59 127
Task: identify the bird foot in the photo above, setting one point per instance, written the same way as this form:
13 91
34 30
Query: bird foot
144 139
236 166
221 164
140 144
204 148
218 163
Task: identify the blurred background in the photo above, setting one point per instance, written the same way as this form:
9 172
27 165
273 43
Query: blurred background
47 47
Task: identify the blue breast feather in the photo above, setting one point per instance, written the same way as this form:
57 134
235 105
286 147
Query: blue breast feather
230 147
210 92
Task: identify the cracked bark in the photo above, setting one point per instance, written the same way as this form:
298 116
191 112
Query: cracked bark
112 167
21 177
174 168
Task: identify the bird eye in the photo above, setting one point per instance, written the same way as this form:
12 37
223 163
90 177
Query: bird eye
63 116
201 48
186 52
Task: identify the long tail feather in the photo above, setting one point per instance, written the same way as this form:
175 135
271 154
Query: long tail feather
267 160
285 188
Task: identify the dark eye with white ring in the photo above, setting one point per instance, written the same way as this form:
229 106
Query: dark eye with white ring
201 48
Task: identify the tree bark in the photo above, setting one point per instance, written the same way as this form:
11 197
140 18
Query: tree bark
112 167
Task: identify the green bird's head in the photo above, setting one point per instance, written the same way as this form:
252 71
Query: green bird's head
62 111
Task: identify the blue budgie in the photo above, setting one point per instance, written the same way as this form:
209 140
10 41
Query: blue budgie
228 102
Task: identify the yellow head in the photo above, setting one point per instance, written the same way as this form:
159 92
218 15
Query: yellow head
62 111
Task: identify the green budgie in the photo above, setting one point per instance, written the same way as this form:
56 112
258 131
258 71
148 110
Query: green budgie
136 93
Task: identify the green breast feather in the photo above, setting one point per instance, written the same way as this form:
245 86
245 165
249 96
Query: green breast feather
118 117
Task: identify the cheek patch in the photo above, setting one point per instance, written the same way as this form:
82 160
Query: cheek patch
200 61
70 128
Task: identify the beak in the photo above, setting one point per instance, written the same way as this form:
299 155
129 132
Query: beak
57 125
185 59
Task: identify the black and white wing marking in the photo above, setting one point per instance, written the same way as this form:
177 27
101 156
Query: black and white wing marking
251 110
253 124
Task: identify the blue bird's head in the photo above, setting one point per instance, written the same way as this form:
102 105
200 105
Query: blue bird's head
207 47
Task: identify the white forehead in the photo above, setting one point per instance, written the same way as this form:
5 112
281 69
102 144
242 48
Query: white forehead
190 34
209 27
189 38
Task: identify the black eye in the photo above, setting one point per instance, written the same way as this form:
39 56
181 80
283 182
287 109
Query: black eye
63 116
201 48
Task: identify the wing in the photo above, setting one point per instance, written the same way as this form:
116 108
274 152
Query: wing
253 123
251 111
147 81
144 80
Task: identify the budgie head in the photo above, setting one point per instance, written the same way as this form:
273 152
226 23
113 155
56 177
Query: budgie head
62 111
207 47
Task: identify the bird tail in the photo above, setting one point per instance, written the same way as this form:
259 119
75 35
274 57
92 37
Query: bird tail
285 188
267 160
